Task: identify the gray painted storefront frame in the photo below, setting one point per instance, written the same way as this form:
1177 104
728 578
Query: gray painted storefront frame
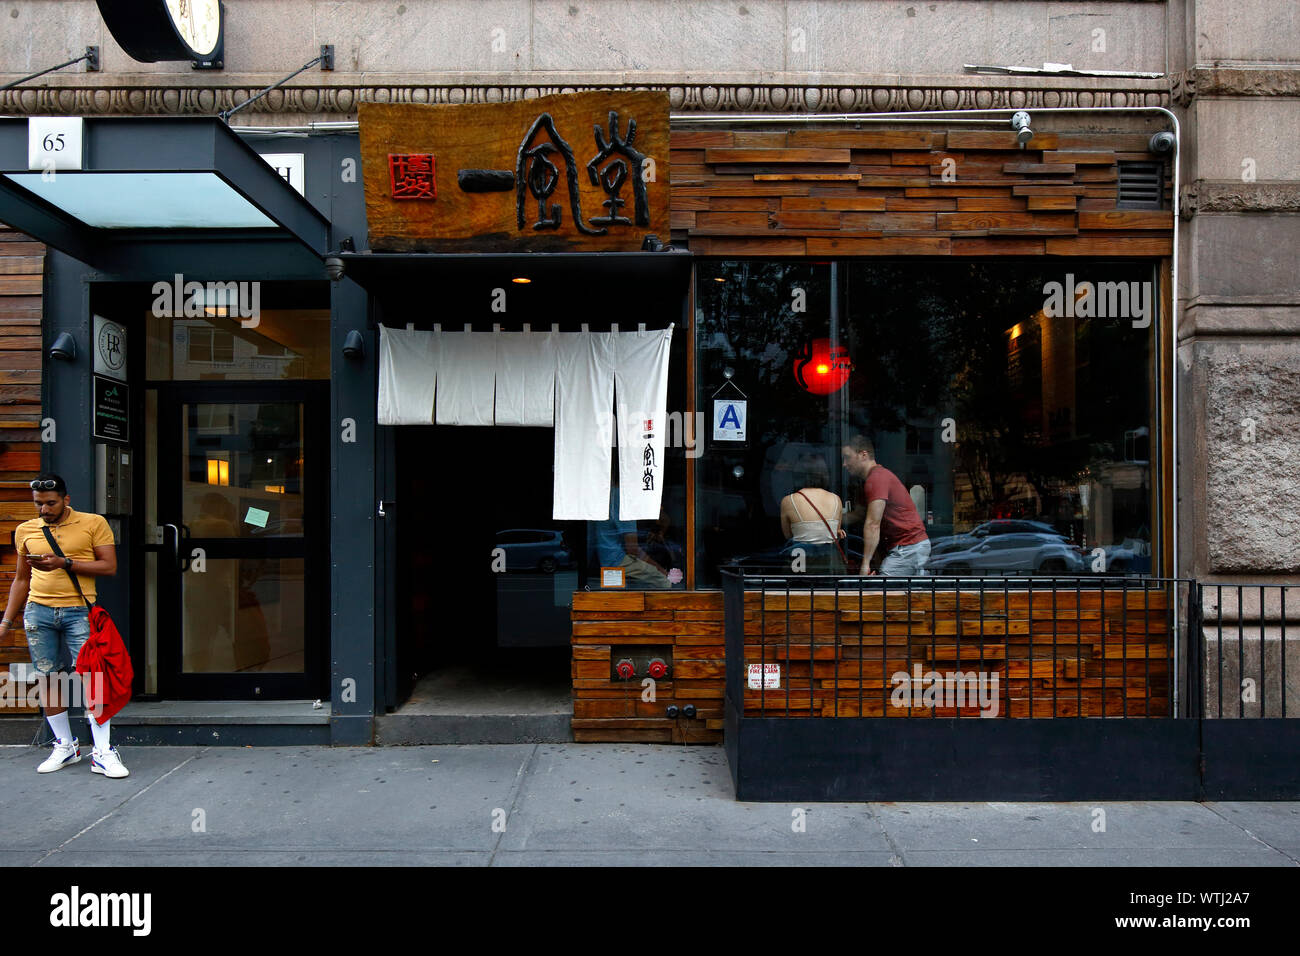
66 389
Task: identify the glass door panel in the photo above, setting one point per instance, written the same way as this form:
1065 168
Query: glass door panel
242 508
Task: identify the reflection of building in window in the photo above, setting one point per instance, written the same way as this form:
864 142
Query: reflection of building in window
210 345
202 350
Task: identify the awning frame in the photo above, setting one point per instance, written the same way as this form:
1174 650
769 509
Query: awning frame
161 145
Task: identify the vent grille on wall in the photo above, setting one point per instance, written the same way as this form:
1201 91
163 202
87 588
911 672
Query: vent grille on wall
1141 185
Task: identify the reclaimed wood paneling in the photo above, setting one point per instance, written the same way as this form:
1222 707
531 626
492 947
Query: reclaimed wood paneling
1092 652
811 192
688 622
22 266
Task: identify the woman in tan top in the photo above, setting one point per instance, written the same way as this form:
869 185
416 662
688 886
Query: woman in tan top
810 519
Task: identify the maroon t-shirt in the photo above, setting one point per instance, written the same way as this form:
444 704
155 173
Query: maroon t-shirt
900 525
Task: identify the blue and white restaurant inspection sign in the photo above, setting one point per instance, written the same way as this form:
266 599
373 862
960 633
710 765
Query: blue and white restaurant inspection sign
730 419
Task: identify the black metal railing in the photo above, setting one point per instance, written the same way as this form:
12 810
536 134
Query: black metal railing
1039 645
1244 651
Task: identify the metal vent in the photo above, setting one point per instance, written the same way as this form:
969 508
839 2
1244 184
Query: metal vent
1141 185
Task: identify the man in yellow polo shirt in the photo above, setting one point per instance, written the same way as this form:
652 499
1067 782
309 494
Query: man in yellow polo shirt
55 618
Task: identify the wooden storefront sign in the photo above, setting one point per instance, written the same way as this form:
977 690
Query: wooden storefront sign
571 172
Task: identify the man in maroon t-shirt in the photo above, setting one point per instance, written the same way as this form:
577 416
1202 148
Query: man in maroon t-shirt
892 517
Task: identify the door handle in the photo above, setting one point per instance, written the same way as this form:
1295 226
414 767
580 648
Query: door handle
179 533
382 512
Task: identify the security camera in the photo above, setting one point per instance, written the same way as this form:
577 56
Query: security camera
1163 142
1020 123
334 268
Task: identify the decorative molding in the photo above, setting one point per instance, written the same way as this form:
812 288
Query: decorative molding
167 94
1226 81
1227 196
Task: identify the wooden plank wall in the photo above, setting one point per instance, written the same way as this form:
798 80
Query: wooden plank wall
22 263
880 192
608 625
1096 652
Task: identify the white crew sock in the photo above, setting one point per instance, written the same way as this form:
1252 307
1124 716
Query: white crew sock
100 733
59 724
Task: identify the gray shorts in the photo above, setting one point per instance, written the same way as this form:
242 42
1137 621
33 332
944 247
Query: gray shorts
907 560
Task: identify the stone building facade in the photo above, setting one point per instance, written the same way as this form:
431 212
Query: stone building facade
1227 70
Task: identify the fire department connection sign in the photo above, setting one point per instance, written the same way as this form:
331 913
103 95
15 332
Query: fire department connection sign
577 171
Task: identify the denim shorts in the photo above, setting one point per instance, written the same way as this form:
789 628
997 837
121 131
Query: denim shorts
55 636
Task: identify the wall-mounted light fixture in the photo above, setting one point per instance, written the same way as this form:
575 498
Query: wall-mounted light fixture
64 348
354 346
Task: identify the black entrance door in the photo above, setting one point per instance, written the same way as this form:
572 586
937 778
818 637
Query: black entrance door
242 606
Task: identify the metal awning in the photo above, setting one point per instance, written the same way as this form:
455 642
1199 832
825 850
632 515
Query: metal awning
149 187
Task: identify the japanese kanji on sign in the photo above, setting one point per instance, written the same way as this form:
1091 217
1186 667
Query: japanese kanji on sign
580 171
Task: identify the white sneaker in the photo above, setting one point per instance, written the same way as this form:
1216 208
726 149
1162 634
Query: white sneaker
66 753
109 763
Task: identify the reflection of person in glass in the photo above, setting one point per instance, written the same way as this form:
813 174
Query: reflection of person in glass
617 547
892 519
810 518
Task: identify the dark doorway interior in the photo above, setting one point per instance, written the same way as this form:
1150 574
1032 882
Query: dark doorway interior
484 575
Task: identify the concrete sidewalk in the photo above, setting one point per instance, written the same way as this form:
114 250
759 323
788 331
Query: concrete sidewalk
559 804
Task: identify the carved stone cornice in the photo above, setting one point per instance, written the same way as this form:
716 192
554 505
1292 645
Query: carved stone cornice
1206 195
1234 81
337 96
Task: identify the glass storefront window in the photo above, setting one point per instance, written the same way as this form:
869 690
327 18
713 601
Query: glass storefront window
282 332
1012 400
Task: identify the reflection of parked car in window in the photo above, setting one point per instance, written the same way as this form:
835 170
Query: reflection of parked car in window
779 557
1133 554
1025 551
1012 526
534 548
967 539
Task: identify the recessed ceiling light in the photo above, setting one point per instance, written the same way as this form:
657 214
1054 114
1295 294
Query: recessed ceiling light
522 280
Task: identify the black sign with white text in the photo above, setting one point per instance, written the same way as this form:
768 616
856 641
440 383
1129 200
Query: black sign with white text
111 404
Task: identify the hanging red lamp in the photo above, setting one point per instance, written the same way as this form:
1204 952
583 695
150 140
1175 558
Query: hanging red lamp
822 367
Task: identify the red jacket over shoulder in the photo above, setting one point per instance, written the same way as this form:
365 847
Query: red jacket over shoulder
105 654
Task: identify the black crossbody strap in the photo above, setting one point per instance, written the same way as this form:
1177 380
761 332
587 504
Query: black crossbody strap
54 546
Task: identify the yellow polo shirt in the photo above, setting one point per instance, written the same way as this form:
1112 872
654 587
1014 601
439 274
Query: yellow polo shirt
78 535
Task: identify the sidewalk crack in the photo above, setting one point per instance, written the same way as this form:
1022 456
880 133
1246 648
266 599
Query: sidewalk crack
513 798
116 808
897 858
1211 807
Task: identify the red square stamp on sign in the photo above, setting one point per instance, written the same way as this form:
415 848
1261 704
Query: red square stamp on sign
411 175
